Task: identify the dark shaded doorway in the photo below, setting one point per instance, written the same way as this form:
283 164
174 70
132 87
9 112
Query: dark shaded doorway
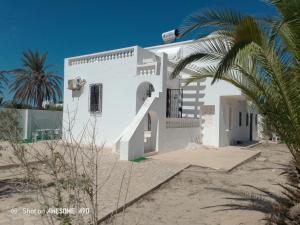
251 124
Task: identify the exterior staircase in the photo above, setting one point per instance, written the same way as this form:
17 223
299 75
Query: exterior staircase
131 135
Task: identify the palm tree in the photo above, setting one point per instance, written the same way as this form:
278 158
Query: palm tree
33 83
3 81
259 56
262 58
2 102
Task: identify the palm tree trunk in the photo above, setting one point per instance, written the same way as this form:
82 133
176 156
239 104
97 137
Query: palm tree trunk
40 102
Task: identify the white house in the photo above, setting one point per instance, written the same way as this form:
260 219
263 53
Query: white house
140 110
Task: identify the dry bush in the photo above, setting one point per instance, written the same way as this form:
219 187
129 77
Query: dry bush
65 173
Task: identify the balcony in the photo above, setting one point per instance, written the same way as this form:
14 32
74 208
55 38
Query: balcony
147 69
103 56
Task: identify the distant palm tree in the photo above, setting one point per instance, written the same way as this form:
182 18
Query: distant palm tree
2 102
33 83
261 56
3 81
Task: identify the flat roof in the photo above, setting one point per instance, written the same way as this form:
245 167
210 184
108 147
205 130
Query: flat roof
162 46
181 43
170 45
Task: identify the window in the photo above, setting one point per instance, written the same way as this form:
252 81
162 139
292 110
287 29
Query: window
247 120
149 90
174 103
240 119
95 98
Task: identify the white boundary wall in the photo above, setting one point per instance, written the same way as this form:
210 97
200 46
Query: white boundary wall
31 120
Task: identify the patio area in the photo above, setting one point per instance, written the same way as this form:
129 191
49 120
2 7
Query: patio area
226 158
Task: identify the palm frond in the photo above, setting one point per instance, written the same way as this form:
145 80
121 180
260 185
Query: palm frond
222 19
33 83
183 63
261 57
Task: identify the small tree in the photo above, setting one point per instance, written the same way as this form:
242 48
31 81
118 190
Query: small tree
9 126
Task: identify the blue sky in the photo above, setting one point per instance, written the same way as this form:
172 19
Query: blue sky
65 28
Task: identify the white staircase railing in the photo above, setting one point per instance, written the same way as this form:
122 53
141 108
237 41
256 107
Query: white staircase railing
130 137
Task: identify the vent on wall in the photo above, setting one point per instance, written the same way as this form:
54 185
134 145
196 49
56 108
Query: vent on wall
76 84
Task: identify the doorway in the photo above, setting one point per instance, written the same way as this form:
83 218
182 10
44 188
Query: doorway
150 132
144 90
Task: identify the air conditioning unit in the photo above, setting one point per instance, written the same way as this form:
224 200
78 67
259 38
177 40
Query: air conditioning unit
72 84
76 84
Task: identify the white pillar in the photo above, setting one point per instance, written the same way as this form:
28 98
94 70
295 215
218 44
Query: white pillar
26 121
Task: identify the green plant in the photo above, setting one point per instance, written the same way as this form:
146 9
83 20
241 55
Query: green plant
15 105
2 102
9 129
54 107
259 56
33 83
3 81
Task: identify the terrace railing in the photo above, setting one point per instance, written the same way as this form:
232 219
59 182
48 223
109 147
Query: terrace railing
104 56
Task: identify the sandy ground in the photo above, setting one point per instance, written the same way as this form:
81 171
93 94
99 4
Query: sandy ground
114 176
184 199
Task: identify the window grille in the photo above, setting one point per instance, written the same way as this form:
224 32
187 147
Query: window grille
95 103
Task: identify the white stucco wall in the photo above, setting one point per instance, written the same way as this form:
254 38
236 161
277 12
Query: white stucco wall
212 96
179 138
200 94
236 133
207 94
117 77
121 74
120 80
